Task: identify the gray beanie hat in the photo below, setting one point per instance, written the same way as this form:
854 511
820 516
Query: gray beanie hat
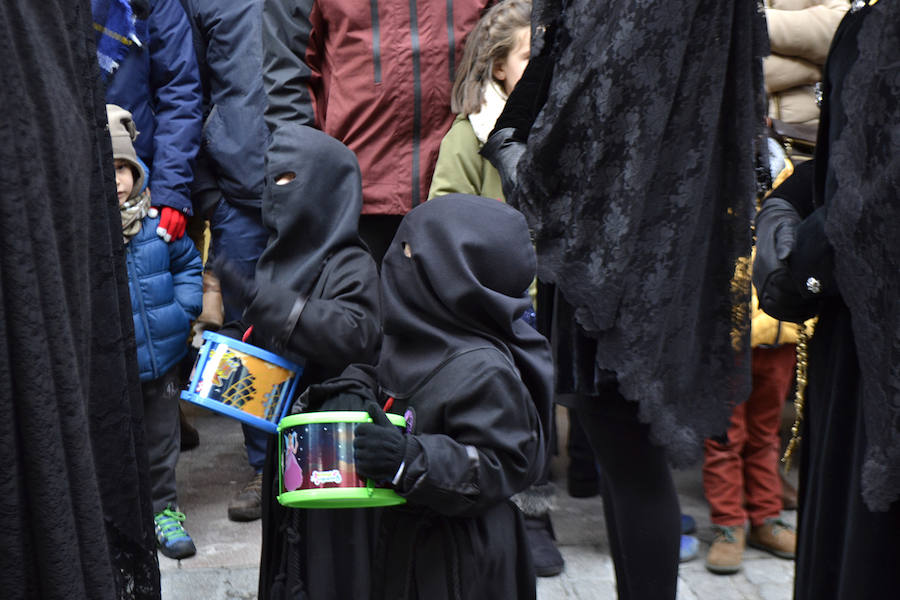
123 132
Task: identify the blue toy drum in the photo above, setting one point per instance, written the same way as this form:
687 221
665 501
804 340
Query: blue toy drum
316 464
242 381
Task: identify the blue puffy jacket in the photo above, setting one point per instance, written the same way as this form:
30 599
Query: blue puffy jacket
165 281
159 83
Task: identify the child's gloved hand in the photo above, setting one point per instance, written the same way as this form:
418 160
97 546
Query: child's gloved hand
379 446
236 287
346 400
172 223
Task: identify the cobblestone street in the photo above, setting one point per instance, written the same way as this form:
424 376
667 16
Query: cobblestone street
226 564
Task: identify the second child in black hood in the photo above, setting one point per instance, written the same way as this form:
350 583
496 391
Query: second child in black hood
315 296
474 382
314 299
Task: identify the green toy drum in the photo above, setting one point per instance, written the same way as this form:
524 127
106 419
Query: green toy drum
316 464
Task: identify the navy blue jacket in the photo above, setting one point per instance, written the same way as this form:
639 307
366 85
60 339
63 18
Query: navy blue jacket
166 288
228 44
159 84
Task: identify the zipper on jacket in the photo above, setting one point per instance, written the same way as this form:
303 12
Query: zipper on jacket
451 40
376 40
417 100
143 312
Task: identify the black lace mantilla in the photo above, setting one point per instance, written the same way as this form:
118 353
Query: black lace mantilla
74 482
863 226
639 184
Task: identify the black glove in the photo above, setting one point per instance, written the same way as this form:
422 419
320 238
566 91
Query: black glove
379 447
776 226
237 289
347 400
233 329
352 390
503 151
812 259
274 313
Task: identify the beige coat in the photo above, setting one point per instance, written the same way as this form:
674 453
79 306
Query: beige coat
800 33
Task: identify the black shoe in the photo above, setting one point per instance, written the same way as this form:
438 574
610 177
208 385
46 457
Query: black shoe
541 542
190 437
582 478
247 504
583 488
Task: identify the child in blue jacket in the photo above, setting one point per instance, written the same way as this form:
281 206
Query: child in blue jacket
164 280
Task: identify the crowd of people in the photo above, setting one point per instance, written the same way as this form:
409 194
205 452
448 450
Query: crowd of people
465 211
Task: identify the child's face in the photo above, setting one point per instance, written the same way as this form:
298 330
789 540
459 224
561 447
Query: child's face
509 70
124 180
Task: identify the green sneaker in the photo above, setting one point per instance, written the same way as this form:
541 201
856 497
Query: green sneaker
171 538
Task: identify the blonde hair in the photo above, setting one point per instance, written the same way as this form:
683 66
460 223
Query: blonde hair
493 38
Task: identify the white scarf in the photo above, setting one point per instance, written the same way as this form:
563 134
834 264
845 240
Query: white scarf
491 106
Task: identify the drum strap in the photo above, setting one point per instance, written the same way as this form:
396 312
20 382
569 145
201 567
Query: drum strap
291 322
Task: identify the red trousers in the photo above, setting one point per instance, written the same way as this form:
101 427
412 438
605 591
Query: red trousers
740 478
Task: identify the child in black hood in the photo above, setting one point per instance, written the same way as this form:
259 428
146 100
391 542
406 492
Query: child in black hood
315 296
474 382
314 299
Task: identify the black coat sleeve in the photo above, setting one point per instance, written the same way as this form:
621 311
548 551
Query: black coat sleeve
339 324
290 61
228 41
812 259
490 445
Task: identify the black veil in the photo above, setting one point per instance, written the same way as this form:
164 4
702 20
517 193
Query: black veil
639 184
863 226
74 485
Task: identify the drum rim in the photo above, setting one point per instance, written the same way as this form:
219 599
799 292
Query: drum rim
232 412
311 496
253 350
334 416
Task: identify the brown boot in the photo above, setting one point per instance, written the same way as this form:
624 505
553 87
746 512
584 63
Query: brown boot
247 504
774 536
213 314
727 550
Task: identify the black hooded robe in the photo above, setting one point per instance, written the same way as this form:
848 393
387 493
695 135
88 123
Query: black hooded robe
473 381
74 486
459 537
317 302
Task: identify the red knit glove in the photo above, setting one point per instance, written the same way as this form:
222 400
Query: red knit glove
172 224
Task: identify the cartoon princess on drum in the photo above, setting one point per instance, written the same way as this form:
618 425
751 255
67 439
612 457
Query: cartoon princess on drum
293 474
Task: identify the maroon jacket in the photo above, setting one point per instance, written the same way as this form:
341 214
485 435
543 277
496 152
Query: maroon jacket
375 75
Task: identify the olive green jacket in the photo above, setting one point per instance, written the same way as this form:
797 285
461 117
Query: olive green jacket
460 169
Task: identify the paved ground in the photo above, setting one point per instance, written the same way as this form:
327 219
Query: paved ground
226 564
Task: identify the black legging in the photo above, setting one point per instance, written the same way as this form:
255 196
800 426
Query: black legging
639 499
